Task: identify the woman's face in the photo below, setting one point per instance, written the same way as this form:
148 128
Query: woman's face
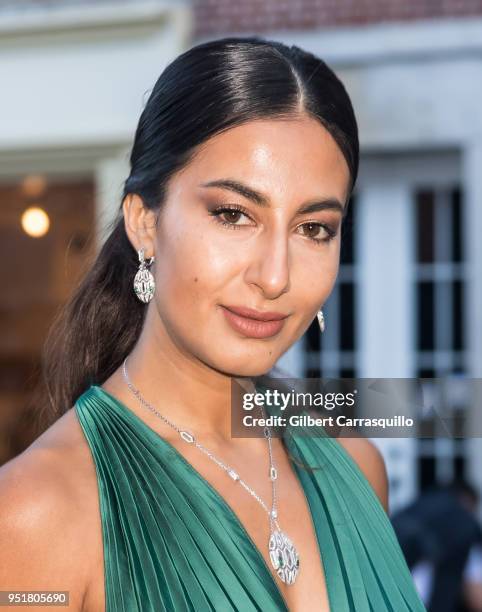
266 254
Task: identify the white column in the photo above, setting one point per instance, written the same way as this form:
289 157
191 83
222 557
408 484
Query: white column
386 320
110 174
385 234
472 185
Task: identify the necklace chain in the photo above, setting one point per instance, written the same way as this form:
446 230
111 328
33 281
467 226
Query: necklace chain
190 439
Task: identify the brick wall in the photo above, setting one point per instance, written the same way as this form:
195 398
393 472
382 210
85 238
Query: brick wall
215 17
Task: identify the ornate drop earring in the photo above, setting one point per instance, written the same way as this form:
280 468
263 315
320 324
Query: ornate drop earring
144 284
321 320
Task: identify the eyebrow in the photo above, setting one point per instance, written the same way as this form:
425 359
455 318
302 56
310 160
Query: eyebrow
261 200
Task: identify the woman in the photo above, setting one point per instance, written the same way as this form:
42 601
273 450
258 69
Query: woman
243 163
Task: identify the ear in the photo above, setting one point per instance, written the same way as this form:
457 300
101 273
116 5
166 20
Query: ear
140 224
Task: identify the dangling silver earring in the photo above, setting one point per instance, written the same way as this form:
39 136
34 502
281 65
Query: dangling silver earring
144 284
321 320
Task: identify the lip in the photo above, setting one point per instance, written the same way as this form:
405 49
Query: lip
254 328
249 313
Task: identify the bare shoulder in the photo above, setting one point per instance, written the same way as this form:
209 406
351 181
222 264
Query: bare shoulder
44 514
371 462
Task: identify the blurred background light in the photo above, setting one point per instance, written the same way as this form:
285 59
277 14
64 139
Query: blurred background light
35 221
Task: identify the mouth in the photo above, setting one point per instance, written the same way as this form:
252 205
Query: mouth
257 324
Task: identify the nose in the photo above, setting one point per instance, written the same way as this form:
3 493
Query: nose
269 267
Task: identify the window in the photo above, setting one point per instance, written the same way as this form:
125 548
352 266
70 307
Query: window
439 277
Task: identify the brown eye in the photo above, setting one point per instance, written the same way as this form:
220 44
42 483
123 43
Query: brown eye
229 216
232 215
313 230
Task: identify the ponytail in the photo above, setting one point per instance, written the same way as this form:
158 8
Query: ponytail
97 328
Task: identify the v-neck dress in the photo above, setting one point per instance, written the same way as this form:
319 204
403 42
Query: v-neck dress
172 543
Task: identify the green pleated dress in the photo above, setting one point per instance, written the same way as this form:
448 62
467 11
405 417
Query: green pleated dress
171 542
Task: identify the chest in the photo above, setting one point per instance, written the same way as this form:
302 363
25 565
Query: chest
309 591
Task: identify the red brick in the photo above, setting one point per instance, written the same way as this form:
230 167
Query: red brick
214 17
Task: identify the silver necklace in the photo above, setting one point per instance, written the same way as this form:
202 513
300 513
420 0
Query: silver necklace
282 552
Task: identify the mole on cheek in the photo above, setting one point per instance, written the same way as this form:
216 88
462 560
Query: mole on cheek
195 279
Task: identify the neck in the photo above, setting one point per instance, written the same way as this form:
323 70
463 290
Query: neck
186 391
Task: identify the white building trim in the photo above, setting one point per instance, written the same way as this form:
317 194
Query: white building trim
75 79
51 18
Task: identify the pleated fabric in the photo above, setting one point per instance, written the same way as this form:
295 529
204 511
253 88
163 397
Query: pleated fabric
172 543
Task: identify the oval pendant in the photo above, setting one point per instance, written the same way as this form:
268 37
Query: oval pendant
144 285
284 556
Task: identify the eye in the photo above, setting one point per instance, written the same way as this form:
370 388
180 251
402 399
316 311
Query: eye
314 232
231 214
